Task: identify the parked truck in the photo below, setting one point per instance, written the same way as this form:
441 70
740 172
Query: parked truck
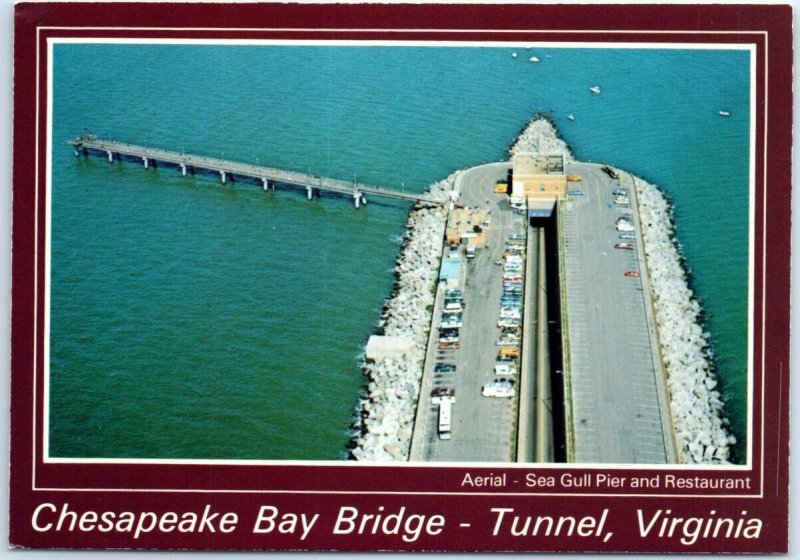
445 399
445 411
471 251
507 353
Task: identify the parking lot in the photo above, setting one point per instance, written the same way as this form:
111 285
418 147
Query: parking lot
616 404
615 387
483 426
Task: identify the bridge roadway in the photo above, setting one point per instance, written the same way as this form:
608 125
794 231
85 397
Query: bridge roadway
227 169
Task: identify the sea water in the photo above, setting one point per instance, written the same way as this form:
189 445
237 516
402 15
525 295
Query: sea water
191 319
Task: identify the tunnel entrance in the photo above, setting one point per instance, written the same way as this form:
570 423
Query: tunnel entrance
549 226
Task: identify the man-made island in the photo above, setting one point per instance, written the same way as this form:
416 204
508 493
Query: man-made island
543 316
540 314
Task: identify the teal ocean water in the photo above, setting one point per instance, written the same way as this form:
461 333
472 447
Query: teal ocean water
195 320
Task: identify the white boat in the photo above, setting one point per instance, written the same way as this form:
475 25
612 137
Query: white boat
534 59
571 117
595 89
513 55
724 114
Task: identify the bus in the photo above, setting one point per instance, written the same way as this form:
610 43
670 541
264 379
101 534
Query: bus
444 418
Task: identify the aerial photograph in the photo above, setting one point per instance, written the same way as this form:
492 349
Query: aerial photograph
399 252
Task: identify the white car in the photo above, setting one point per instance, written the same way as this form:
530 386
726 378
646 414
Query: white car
505 370
502 388
510 314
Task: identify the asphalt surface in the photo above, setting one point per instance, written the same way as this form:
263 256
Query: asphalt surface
483 428
617 408
616 404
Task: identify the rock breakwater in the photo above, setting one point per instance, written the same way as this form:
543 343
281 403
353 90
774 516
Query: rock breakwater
541 137
385 416
701 428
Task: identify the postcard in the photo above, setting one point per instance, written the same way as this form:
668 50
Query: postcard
387 277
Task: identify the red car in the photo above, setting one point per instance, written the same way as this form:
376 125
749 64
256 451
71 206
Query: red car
632 274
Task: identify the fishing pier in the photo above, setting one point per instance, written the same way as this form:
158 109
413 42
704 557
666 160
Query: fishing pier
230 171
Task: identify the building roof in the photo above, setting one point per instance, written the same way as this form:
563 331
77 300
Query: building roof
527 164
381 347
451 268
541 207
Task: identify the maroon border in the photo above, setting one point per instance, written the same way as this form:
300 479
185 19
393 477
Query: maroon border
323 489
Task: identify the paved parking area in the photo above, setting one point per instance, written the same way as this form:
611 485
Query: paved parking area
616 404
483 428
615 379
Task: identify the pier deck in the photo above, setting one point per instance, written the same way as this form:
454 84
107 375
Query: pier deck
227 170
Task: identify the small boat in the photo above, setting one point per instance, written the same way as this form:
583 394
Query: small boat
534 59
570 117
595 89
513 55
724 114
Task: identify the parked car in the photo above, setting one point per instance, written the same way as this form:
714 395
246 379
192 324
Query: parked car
505 370
498 388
